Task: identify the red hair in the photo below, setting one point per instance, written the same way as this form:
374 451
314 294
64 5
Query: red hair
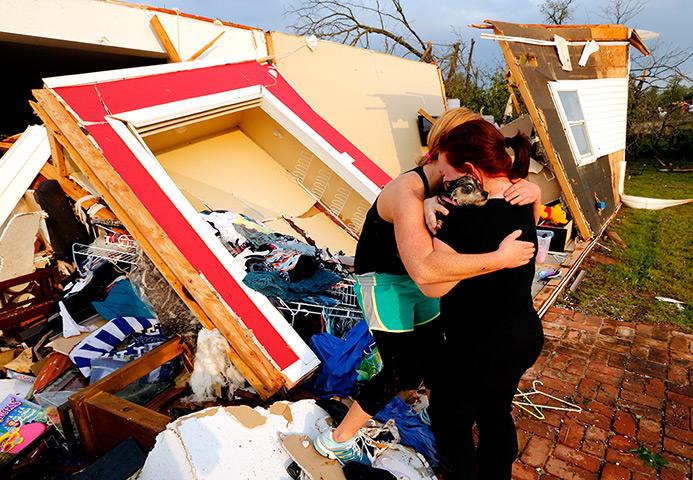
481 144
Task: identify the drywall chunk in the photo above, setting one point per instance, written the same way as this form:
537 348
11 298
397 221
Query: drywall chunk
222 443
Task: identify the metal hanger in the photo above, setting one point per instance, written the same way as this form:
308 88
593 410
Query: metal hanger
537 408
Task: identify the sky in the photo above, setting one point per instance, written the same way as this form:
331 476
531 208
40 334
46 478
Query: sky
435 20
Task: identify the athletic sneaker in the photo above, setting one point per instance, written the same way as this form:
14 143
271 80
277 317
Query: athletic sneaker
423 416
353 450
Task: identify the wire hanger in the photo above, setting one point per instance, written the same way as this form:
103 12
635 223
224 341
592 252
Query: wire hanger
537 408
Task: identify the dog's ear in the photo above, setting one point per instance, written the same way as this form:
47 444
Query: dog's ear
446 185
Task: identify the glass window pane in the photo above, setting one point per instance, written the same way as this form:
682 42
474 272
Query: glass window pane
580 137
571 105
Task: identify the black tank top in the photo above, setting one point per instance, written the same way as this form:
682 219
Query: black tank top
377 250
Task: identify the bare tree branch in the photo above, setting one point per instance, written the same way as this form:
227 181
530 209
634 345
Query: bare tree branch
354 23
662 65
621 11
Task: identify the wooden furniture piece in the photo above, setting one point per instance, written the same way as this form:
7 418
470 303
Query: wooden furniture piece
27 298
105 420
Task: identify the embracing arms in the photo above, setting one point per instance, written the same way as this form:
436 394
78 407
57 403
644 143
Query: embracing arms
402 202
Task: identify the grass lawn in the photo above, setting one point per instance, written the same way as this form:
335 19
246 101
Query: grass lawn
622 283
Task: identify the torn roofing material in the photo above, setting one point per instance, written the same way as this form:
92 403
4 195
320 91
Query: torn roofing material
574 81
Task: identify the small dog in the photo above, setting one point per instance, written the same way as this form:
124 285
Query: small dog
465 190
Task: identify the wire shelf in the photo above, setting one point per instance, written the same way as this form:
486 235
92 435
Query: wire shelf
113 253
348 306
114 247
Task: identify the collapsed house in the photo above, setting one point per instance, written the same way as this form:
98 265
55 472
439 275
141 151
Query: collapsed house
574 82
271 134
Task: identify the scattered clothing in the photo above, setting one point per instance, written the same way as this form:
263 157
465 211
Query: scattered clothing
105 339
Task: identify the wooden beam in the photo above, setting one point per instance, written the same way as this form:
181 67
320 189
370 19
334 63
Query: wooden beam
51 172
269 41
426 115
543 132
117 419
165 39
205 48
197 294
442 88
57 157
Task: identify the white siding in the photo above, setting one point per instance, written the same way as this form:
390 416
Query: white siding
605 106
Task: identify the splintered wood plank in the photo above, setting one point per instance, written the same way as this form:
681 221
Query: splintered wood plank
205 48
57 154
130 372
197 294
165 39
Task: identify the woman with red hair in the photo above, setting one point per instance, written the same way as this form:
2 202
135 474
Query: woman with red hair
492 334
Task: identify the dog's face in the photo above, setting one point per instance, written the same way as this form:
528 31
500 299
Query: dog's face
465 190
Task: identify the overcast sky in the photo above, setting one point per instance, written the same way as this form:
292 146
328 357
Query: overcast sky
434 20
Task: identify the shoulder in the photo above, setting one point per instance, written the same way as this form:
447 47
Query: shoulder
406 185
404 194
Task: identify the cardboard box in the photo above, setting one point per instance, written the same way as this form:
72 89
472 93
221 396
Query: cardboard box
561 236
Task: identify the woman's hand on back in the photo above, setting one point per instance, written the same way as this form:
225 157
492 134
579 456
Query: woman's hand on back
515 252
522 192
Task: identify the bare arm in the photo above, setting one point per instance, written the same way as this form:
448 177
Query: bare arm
436 290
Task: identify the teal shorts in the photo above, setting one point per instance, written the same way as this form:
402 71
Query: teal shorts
394 303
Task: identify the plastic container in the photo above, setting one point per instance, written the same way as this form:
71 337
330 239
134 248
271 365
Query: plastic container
543 241
50 401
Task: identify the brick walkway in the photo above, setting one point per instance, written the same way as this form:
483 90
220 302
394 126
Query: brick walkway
634 384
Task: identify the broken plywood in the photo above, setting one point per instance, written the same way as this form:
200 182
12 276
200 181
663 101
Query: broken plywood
586 175
370 97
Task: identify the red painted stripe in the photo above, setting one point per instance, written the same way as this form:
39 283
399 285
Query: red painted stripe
136 93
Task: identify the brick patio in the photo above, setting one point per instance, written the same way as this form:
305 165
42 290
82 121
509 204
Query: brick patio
634 384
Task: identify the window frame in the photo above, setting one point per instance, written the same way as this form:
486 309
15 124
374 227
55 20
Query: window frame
580 159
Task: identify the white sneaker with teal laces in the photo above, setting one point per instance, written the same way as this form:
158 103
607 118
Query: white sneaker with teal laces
355 449
423 416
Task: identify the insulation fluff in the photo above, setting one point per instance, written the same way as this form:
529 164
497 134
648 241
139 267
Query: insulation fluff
213 372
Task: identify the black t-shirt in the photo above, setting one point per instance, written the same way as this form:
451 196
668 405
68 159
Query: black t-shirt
498 299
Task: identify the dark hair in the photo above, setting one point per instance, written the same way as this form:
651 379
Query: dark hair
481 144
